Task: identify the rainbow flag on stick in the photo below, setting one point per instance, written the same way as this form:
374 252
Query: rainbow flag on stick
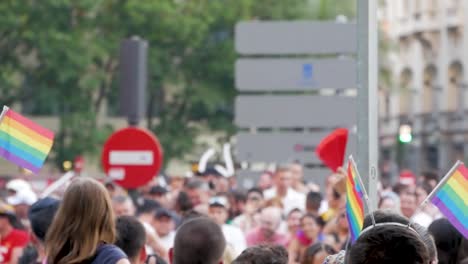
354 200
22 141
451 197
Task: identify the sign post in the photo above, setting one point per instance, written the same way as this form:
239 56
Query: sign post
368 97
132 157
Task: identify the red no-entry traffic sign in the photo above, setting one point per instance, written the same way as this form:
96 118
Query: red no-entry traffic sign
132 157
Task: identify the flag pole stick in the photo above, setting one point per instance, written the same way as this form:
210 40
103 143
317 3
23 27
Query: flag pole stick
57 184
438 186
5 109
361 184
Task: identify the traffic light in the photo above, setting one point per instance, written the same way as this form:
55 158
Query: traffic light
405 135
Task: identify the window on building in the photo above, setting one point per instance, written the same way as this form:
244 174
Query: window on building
455 72
428 89
406 8
432 7
417 11
405 91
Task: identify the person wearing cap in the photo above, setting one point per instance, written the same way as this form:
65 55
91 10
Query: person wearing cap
218 211
40 215
21 197
164 225
12 240
159 194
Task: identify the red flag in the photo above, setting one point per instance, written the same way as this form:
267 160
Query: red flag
332 149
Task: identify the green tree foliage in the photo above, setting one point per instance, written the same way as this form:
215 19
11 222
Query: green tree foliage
60 57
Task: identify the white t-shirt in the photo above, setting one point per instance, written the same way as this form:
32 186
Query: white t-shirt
168 241
423 219
235 238
292 200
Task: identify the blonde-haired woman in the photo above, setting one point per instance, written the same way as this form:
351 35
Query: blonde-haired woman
83 229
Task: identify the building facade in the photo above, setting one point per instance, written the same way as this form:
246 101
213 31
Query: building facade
427 61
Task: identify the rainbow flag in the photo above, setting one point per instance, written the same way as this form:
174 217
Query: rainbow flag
451 197
354 203
23 142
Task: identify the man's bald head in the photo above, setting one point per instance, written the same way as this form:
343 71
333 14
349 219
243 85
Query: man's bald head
270 217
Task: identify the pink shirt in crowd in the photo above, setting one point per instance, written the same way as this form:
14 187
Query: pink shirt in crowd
256 237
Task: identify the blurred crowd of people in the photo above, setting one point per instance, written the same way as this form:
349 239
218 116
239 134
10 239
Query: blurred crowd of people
208 219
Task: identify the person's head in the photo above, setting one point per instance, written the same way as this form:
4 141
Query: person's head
183 202
198 241
221 184
159 194
313 201
431 178
218 209
163 222
297 172
146 210
270 220
254 198
265 181
131 238
84 220
390 216
422 190
447 240
263 254
111 187
21 201
197 191
317 253
408 203
294 220
123 205
20 196
342 221
237 200
311 225
334 198
283 178
41 215
390 201
176 182
388 244
407 178
400 188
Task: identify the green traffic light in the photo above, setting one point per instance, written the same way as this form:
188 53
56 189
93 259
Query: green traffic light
405 138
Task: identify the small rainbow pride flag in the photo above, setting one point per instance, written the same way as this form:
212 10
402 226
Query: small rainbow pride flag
354 202
451 197
22 141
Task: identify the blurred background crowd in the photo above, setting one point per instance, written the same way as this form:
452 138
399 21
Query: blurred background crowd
282 209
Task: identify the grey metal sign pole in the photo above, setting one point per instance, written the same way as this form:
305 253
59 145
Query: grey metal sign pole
368 97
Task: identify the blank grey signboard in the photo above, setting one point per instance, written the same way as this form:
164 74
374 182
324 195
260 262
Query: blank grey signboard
295 74
298 37
275 147
295 111
283 147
